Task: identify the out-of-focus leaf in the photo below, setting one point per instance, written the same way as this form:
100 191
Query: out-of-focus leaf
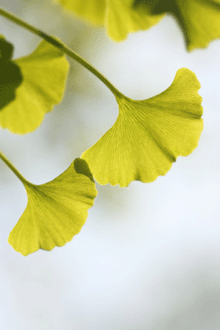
56 211
148 135
44 75
92 10
10 73
199 19
118 16
6 49
122 18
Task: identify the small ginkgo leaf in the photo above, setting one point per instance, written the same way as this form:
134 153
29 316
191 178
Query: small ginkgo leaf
56 211
44 75
199 19
10 73
148 135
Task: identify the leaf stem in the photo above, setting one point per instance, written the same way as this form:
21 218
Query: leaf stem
14 170
62 47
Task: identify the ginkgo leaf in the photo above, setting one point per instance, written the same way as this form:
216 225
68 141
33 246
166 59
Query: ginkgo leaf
56 211
10 73
199 19
148 135
44 75
118 16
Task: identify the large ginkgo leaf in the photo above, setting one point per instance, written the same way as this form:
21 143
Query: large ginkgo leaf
148 135
56 211
44 74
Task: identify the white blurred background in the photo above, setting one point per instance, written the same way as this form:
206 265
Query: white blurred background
148 256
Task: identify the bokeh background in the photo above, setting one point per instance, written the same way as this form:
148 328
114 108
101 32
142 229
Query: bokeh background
148 256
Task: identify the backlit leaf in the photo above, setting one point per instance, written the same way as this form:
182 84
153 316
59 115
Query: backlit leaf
44 75
122 18
56 211
148 135
118 16
199 19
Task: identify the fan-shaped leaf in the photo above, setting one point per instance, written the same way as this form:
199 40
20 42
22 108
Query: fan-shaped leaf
148 135
44 75
56 211
118 16
199 19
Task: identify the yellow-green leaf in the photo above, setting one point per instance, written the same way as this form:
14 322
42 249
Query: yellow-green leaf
199 19
123 18
44 75
92 10
56 211
118 16
148 135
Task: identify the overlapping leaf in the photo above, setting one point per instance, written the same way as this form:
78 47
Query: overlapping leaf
56 211
10 73
148 135
199 19
118 16
44 75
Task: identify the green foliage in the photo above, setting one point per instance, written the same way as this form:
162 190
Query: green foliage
146 138
56 211
148 135
198 19
44 75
